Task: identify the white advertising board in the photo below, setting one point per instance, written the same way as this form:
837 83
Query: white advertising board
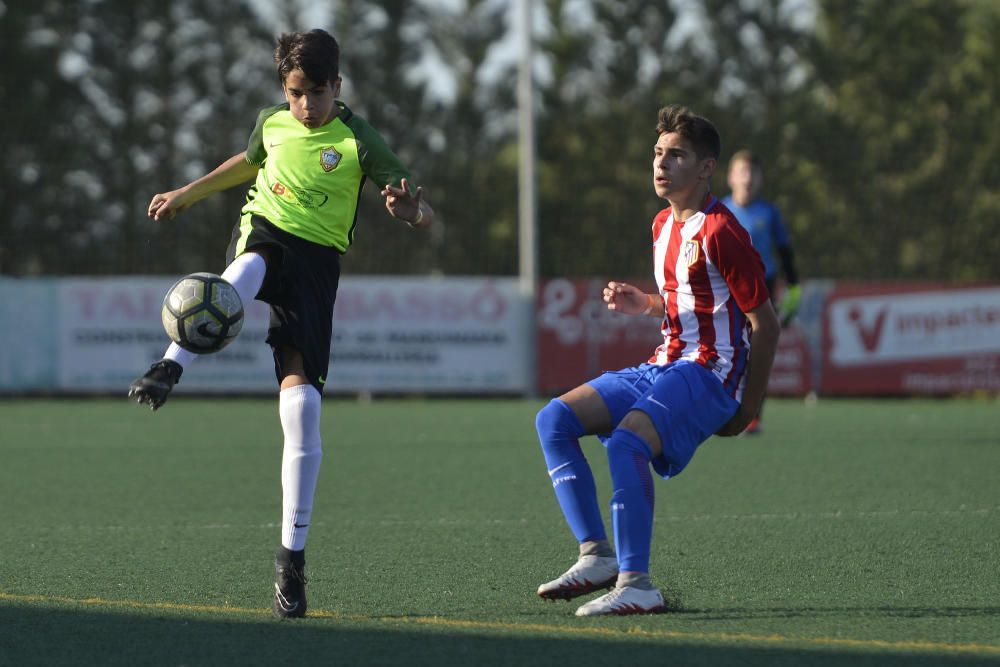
391 334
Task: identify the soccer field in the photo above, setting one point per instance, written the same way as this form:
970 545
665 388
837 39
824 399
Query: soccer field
849 532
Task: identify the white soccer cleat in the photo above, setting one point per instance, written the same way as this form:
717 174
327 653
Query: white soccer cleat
588 574
624 601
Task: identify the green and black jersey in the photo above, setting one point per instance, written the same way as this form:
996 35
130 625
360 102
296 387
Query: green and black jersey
310 180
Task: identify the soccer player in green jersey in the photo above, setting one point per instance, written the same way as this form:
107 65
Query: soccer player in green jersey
309 159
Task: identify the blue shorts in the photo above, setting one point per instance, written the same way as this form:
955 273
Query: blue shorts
684 400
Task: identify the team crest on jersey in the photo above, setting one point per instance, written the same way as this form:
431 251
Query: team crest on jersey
329 158
691 252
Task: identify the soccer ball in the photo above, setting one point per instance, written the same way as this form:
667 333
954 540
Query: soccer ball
202 313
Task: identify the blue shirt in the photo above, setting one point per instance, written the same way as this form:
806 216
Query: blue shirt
767 231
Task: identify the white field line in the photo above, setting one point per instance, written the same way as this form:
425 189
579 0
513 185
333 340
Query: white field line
960 511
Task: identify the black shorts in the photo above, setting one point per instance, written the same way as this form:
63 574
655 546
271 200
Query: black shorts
300 286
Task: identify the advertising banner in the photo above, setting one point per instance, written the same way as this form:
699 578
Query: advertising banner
579 338
109 332
399 334
911 340
430 335
790 375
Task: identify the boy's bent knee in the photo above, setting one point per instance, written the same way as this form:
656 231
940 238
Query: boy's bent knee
557 418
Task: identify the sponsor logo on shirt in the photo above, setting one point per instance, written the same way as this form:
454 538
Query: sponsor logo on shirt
303 196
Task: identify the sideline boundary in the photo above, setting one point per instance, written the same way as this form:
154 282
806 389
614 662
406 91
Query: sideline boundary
609 633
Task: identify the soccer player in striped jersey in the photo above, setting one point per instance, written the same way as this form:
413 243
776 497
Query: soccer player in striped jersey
708 377
309 159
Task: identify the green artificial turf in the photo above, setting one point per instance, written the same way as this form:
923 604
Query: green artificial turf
849 532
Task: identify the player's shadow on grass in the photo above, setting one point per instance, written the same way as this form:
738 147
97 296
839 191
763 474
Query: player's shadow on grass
35 635
810 612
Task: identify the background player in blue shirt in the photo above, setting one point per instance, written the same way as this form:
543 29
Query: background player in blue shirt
767 231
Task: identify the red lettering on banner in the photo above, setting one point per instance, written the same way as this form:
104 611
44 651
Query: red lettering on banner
485 304
870 336
120 305
488 304
931 322
451 307
385 302
87 300
98 303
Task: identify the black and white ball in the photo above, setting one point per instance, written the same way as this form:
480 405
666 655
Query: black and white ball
202 313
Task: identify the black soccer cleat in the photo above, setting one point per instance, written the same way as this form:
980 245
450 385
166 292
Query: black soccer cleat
155 385
289 584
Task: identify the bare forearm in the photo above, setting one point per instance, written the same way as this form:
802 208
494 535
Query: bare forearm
763 345
655 306
425 216
630 300
232 172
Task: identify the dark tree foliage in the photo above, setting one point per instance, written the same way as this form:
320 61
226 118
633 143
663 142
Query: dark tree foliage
896 166
127 99
876 122
440 140
596 132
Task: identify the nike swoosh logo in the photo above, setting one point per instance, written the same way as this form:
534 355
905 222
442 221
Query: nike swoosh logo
322 380
272 144
283 602
558 468
204 330
653 400
300 525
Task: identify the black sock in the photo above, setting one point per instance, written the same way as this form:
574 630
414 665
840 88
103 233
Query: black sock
296 558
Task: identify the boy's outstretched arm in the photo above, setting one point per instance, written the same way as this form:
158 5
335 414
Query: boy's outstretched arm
234 171
628 299
410 208
763 344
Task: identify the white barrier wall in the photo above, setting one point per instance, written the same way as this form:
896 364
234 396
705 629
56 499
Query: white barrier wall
390 334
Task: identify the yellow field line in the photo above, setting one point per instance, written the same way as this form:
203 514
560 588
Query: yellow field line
613 633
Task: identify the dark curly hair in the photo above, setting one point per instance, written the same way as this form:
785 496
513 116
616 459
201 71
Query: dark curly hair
316 53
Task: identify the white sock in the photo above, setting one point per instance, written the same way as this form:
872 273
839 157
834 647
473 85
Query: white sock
303 451
246 274
179 354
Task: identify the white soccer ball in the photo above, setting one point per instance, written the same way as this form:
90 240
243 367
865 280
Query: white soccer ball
202 313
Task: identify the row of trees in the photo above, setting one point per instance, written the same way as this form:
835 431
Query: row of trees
876 123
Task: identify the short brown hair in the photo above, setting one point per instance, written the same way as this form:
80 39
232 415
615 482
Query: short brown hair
746 155
316 53
699 131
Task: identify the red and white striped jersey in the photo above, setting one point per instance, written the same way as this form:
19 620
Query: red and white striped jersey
708 275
